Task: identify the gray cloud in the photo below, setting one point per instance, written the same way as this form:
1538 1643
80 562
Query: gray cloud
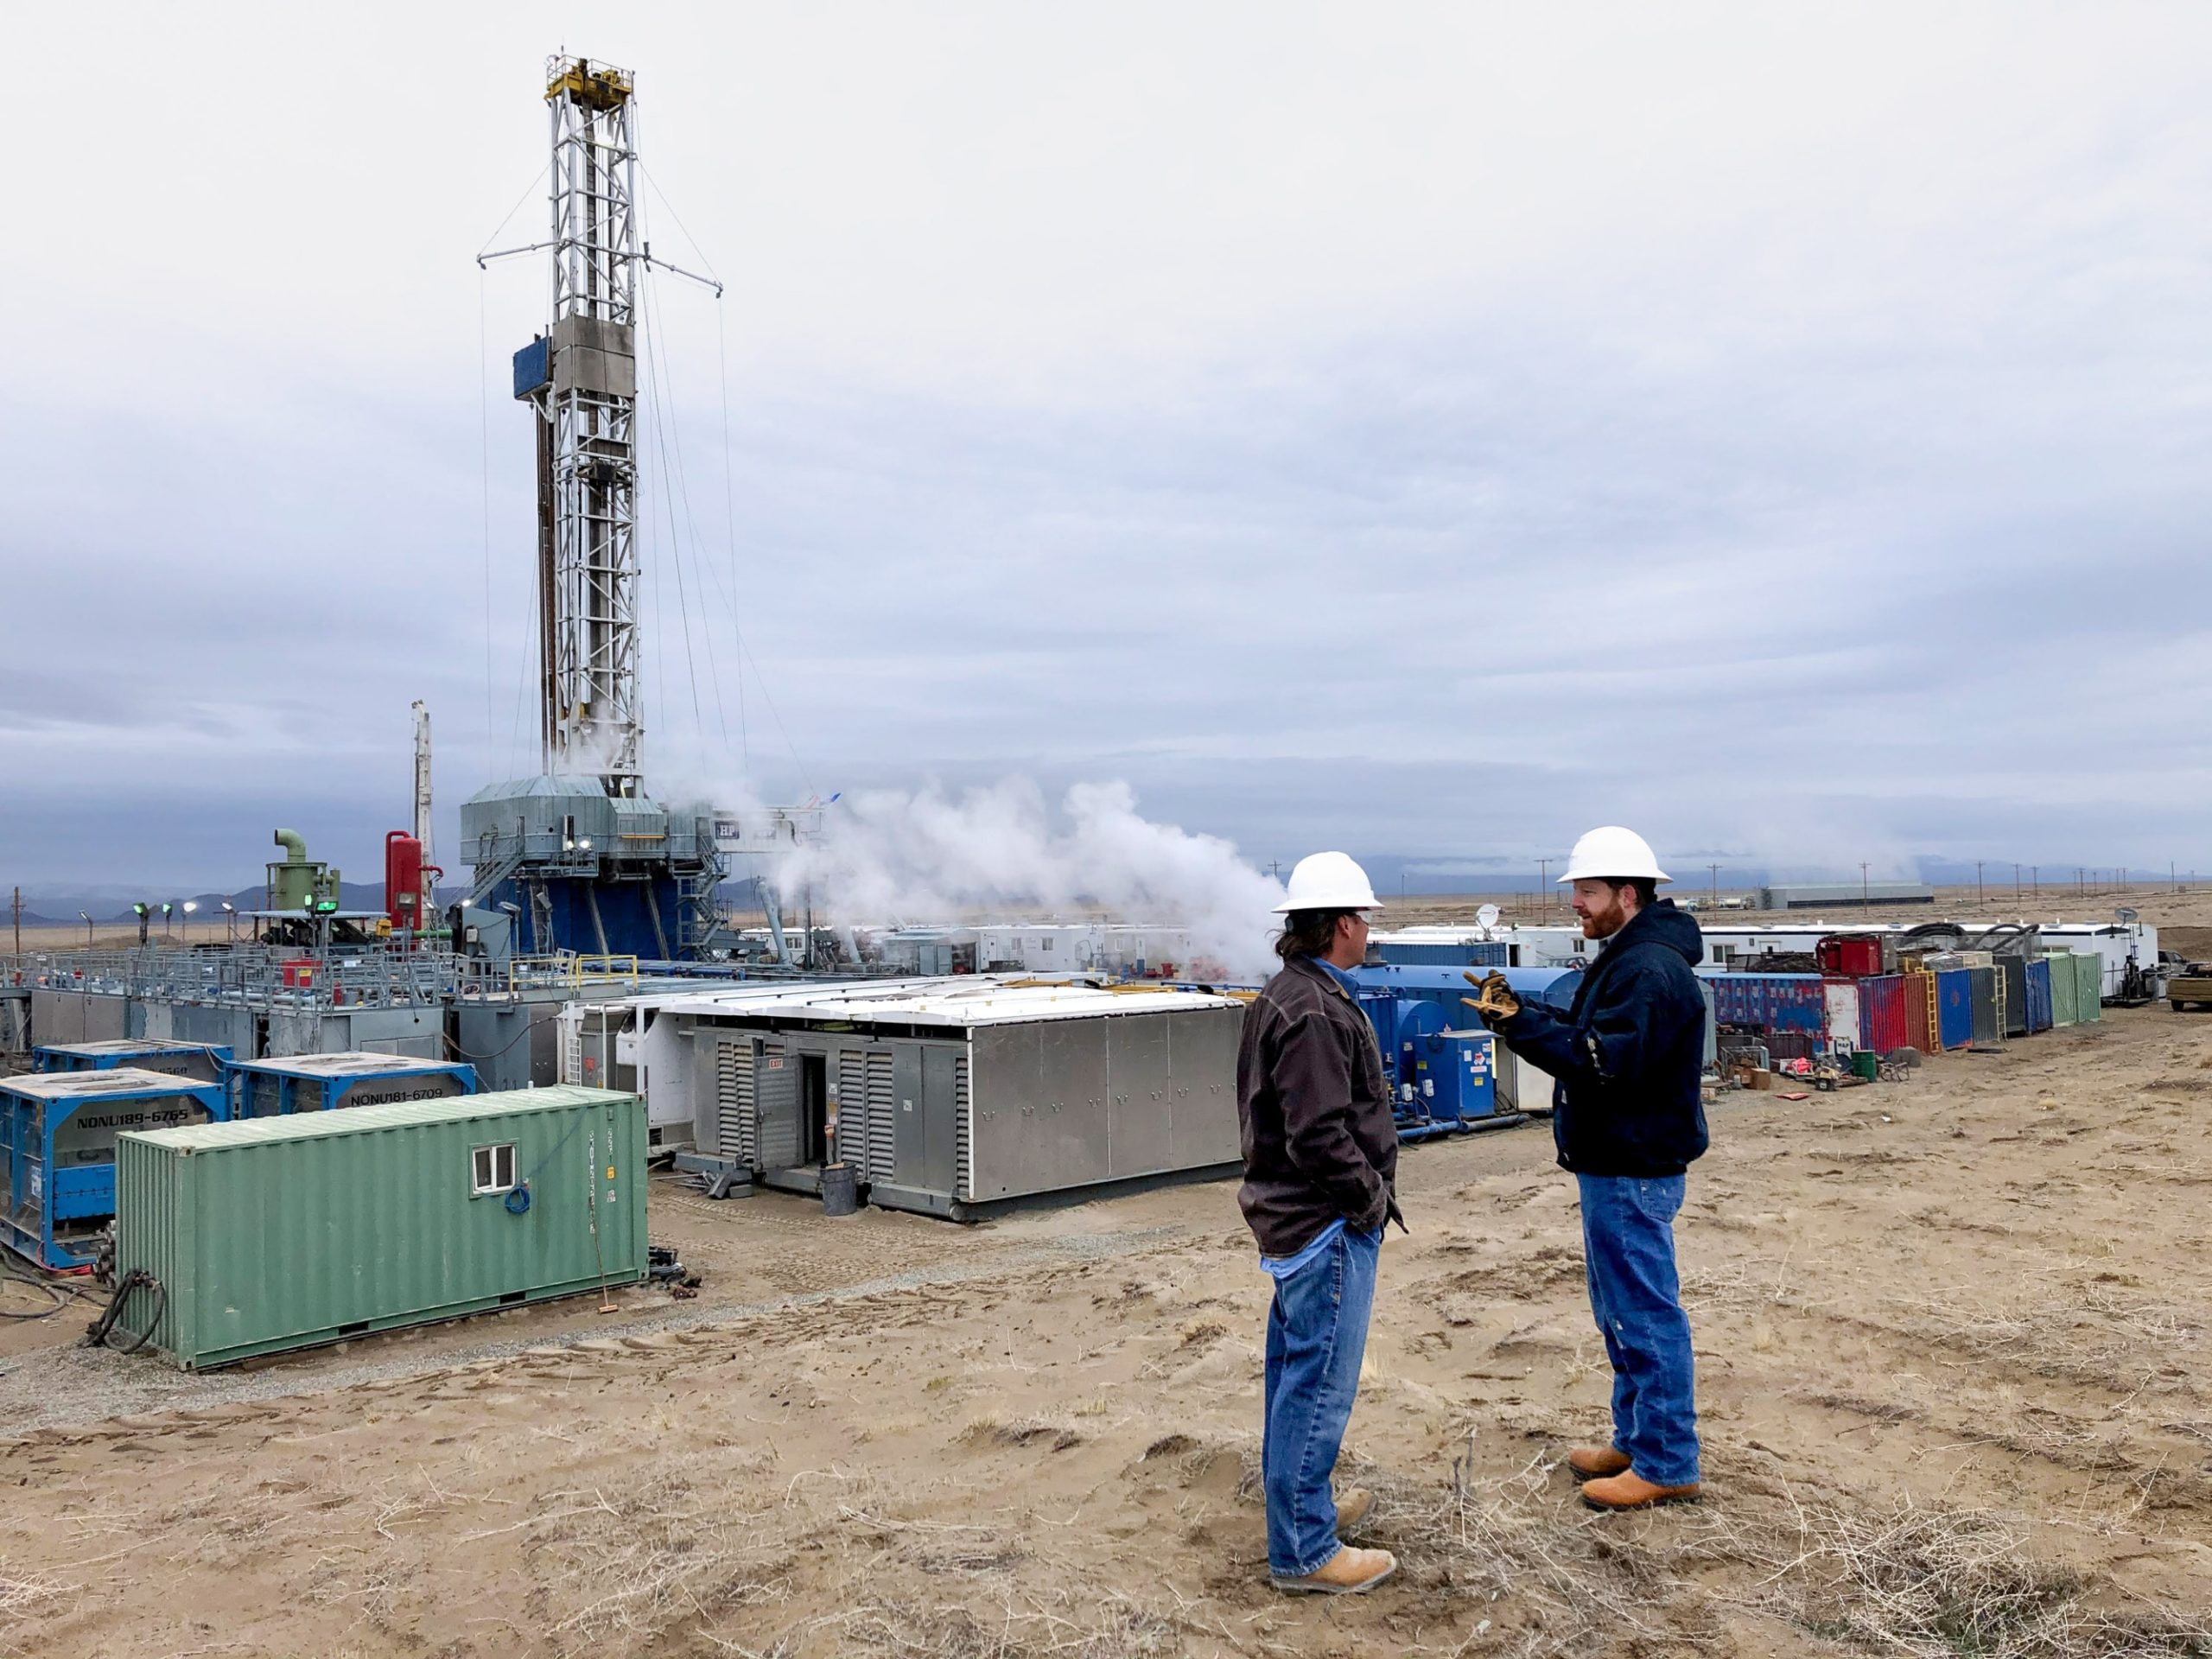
1429 437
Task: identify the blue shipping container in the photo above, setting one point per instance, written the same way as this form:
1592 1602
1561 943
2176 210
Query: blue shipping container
1792 1002
201 1061
320 1082
1474 953
57 1137
2040 995
1954 1009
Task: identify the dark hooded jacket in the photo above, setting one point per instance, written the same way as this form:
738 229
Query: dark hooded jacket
1320 1144
1629 1055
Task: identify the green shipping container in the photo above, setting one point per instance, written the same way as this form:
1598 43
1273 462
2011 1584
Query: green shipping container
272 1234
2089 988
2063 979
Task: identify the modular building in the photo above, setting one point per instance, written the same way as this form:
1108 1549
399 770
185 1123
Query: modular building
276 1234
318 1082
58 1133
201 1061
948 1097
1846 896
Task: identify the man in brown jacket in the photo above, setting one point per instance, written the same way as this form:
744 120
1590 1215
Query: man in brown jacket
1320 1165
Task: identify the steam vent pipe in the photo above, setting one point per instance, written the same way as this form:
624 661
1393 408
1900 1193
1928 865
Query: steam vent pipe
295 845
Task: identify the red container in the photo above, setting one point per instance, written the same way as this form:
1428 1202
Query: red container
1849 955
403 881
1882 1024
1920 1013
299 975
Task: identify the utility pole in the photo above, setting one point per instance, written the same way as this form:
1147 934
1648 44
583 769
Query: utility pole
1544 883
1865 902
1715 869
2016 884
1977 894
18 908
2035 883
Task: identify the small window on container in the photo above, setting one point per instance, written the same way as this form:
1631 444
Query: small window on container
492 1169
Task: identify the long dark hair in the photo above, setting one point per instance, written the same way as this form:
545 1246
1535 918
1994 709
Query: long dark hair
1308 934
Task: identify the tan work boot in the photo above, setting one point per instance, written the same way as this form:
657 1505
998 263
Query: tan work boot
1349 1572
1352 1507
1630 1490
1596 1461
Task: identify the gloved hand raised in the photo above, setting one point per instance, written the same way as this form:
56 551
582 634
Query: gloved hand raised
1494 999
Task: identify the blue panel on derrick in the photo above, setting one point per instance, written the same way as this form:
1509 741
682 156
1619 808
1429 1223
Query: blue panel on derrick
625 913
533 368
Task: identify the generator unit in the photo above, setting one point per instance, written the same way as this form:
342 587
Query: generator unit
57 1133
201 1061
321 1083
238 1239
1448 1083
956 1096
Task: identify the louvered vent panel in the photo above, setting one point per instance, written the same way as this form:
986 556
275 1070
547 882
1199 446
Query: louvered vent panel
881 1122
734 1102
853 1114
964 1131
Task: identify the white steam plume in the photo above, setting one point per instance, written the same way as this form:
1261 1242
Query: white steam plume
890 855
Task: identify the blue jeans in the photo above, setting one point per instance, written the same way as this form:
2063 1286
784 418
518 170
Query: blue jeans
1317 1334
1628 1247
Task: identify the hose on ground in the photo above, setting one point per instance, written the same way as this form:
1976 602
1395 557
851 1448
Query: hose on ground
62 1292
136 1279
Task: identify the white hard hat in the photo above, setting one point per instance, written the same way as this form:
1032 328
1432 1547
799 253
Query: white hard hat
1328 881
1613 854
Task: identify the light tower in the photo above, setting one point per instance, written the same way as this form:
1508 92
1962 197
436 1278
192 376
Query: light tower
581 380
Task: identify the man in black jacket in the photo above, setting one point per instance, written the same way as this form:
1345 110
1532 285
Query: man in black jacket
1320 1162
1629 1118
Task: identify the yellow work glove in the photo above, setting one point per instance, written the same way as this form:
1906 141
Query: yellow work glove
1494 999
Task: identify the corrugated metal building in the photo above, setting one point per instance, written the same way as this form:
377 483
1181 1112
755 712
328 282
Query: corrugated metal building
950 1096
1846 896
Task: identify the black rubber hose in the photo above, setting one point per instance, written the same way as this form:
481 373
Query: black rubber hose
136 1279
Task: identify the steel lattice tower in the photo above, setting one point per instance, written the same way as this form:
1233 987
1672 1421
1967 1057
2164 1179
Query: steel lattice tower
586 401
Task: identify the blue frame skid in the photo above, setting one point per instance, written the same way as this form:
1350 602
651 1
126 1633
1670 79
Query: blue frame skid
57 1199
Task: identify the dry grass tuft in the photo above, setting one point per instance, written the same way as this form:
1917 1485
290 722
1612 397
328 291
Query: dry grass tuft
993 1430
27 1601
1073 1622
1936 1583
1928 1583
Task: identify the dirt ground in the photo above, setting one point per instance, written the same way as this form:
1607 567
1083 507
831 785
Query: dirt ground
1951 1337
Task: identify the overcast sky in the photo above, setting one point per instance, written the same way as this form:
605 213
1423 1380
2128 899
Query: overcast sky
1427 430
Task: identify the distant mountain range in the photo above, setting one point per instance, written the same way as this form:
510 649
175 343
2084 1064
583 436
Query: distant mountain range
105 906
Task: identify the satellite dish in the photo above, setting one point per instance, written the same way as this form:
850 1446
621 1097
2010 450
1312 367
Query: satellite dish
2124 914
1487 916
